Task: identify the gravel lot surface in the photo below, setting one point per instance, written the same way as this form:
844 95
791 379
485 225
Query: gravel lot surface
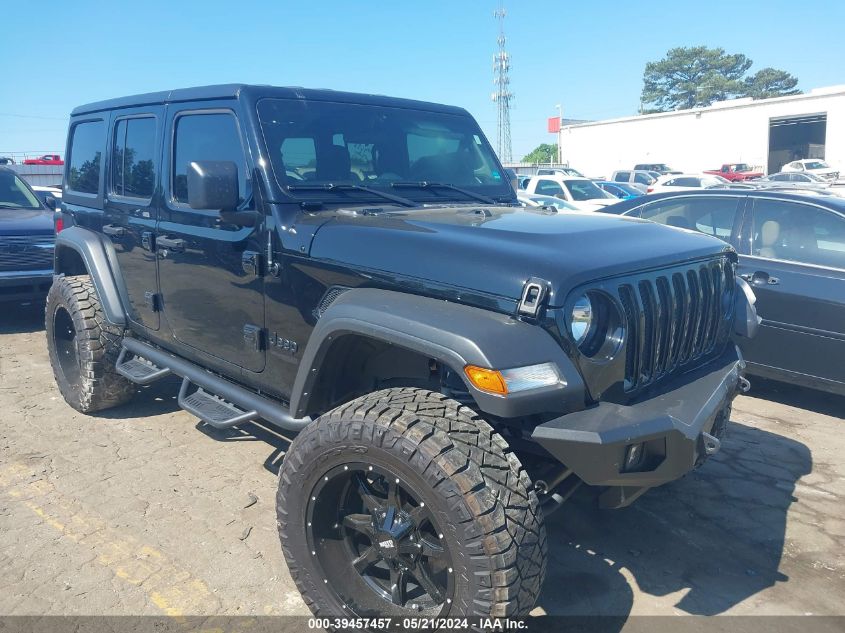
143 510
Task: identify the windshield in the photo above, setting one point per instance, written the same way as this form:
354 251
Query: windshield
815 164
584 190
321 143
14 194
742 167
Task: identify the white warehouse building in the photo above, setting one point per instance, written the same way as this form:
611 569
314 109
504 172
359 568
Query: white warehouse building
765 133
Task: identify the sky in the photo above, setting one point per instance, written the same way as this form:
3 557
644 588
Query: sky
587 56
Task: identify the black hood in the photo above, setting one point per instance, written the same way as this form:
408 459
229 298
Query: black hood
494 250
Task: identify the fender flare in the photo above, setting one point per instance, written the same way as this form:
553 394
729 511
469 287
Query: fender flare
450 333
100 262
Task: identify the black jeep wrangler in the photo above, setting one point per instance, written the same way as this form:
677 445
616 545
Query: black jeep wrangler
356 270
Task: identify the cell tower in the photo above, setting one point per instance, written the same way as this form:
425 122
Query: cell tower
502 95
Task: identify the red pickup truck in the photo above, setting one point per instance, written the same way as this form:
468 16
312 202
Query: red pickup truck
736 172
47 159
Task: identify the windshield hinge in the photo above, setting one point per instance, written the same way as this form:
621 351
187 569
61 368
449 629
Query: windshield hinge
534 294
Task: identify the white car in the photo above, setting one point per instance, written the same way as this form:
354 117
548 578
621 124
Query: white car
684 182
813 166
581 193
44 192
563 171
537 200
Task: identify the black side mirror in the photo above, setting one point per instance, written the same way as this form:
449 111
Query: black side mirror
50 202
213 184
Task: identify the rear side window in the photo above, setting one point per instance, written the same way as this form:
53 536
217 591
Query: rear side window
799 233
622 176
133 157
86 149
211 136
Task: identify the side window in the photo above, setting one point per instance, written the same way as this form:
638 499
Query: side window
548 188
133 157
684 182
643 179
712 215
799 233
212 136
86 149
622 176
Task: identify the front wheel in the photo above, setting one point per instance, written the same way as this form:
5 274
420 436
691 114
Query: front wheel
406 503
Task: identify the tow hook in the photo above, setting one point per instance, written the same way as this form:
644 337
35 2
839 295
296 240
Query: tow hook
744 385
711 443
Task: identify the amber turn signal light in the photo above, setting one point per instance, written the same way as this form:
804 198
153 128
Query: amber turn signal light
489 380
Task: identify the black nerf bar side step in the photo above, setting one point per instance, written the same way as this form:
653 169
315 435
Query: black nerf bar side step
211 409
221 392
139 370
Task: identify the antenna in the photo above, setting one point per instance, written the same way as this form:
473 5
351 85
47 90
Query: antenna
502 95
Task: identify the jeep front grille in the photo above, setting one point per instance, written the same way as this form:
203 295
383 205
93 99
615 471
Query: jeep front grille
673 318
26 252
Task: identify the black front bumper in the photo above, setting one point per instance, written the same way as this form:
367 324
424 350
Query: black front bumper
26 285
675 428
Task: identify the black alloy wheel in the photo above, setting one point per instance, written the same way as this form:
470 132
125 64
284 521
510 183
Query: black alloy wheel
368 529
67 349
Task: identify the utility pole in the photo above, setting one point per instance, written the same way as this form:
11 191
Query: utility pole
502 95
559 134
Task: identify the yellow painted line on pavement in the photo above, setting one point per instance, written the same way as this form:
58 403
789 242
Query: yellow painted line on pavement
172 589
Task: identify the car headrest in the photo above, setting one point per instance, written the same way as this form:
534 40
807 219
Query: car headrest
769 233
333 163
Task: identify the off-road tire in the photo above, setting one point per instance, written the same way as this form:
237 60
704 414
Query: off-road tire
475 483
97 343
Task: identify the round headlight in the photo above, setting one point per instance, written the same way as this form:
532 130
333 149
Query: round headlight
582 318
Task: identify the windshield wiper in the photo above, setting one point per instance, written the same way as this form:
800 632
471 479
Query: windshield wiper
405 202
425 184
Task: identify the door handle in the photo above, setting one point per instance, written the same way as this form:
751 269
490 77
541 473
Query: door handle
177 245
114 231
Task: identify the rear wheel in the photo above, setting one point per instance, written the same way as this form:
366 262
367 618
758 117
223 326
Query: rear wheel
83 347
404 502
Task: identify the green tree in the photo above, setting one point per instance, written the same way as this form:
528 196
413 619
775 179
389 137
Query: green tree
543 153
694 76
770 82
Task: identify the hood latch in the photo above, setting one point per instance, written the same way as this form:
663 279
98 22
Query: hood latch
534 294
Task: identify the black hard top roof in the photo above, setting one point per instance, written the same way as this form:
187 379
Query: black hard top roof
236 91
830 200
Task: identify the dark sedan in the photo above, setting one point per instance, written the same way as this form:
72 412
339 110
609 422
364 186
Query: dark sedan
792 252
26 241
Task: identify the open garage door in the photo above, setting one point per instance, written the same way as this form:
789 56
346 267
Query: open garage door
796 137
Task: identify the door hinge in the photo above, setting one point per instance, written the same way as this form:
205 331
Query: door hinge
251 263
254 337
152 300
